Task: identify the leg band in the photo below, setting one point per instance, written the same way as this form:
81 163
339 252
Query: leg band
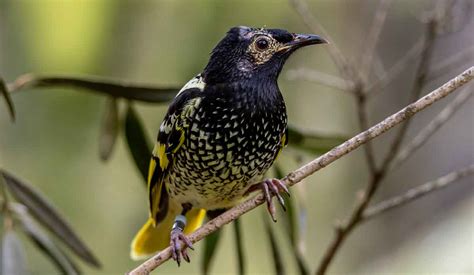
179 222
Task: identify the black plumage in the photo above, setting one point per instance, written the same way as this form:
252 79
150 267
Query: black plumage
225 128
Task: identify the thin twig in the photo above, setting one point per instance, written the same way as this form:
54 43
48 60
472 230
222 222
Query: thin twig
373 38
360 90
417 192
356 86
115 88
321 78
377 176
397 68
420 80
313 24
431 128
316 165
452 62
379 67
363 116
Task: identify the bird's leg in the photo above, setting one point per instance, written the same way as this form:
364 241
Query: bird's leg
270 188
178 241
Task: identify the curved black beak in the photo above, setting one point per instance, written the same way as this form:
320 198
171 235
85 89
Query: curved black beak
302 40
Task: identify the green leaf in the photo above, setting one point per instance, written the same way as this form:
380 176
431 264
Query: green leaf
110 87
109 129
210 245
47 215
276 255
239 247
313 142
13 255
43 242
8 99
137 142
291 225
288 216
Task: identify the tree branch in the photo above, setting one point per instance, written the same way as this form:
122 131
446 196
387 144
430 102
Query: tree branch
315 165
420 80
301 7
379 67
431 128
373 38
397 68
110 87
379 174
451 62
417 192
363 117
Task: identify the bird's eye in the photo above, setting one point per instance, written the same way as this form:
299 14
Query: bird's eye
262 43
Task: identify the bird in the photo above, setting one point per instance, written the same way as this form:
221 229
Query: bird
221 133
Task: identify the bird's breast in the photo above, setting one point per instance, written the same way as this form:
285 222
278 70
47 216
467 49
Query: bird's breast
229 143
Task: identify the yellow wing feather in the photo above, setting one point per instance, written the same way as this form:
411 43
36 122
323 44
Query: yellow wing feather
155 233
151 239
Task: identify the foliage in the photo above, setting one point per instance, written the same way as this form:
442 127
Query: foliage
140 151
31 213
17 215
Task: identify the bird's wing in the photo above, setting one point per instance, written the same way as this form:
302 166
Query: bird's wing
285 137
170 138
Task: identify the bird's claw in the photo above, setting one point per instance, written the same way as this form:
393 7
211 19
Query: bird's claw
273 187
179 243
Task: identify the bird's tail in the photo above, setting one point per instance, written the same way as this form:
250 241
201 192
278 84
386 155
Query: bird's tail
151 239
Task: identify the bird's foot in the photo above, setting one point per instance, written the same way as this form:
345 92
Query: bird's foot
179 243
270 188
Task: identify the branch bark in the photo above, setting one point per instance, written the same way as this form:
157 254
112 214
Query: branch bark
417 192
315 165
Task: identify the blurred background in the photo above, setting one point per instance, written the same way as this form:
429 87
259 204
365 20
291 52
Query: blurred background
54 142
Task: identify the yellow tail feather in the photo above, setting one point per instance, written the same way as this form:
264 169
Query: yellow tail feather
151 239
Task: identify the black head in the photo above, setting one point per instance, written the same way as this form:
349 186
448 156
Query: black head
249 52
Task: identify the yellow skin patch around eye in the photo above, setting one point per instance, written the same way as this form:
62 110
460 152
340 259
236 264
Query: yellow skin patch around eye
262 56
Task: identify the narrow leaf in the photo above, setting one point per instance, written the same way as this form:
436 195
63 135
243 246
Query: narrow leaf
13 255
8 99
276 255
313 142
110 87
137 142
239 247
292 226
47 215
109 129
43 242
303 269
288 216
210 247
